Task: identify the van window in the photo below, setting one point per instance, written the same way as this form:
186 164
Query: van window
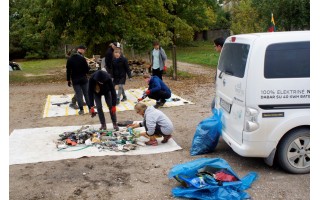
287 60
233 59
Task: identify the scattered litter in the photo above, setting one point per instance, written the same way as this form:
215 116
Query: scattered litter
59 104
210 179
112 140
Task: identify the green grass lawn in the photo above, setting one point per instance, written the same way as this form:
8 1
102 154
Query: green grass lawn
39 71
202 53
53 70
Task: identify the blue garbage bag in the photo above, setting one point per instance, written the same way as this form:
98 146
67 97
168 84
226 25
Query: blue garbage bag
207 134
210 189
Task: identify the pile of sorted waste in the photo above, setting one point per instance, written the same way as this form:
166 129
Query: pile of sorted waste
137 67
119 141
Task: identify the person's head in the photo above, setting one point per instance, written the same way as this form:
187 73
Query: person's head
117 53
81 49
147 78
115 45
218 44
140 108
156 44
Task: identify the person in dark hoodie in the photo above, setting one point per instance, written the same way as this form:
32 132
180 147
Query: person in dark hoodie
120 70
109 56
100 84
77 69
157 90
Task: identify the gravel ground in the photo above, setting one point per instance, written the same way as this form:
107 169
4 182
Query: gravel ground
133 177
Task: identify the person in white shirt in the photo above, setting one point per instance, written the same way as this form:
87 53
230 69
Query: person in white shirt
158 60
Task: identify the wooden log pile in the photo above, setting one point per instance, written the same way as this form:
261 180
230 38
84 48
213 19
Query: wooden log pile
138 67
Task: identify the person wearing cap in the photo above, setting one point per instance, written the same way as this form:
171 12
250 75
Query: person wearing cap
158 60
109 55
100 84
77 69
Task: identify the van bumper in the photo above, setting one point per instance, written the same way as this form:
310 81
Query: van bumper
250 148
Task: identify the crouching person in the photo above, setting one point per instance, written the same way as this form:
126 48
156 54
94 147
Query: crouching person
155 122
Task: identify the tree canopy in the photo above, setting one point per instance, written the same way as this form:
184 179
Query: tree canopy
40 28
37 27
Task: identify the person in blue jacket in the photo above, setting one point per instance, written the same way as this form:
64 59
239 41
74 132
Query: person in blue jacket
157 90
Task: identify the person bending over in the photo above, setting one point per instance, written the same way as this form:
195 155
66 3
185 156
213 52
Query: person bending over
155 122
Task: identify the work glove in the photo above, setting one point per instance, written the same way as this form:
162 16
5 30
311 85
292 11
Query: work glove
69 83
148 92
113 110
140 99
164 68
92 112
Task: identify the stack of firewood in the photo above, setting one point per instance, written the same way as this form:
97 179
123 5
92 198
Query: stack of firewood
138 67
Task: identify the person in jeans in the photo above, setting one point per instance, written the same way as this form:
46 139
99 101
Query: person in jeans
77 69
157 90
120 70
100 84
155 122
158 59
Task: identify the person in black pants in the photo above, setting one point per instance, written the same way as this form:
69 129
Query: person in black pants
120 70
158 59
157 90
77 69
100 84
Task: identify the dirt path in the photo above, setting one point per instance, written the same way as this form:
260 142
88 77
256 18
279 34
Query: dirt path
192 68
143 177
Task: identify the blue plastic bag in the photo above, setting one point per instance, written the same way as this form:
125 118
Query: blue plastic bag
211 190
207 134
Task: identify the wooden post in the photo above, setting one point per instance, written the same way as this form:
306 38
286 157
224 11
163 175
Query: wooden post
174 63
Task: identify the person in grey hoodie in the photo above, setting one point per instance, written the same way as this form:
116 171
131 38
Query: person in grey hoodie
158 60
155 122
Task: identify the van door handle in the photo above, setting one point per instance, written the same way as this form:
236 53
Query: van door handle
220 75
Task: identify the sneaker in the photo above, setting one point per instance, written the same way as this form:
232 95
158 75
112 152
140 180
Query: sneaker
124 99
74 106
81 112
152 143
103 127
158 104
166 138
115 127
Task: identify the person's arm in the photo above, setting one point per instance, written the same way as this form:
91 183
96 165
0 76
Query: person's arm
126 65
85 65
163 55
68 70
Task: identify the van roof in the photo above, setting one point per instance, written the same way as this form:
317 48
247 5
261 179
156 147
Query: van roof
272 36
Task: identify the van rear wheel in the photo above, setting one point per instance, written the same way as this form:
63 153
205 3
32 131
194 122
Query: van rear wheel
294 151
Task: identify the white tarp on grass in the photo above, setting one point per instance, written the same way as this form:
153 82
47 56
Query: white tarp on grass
38 145
51 108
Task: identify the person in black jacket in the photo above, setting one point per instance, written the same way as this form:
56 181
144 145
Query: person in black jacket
109 56
120 70
100 83
77 69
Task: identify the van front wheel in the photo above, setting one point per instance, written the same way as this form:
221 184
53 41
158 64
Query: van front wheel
294 151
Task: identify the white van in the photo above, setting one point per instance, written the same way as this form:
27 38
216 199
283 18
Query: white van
263 90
